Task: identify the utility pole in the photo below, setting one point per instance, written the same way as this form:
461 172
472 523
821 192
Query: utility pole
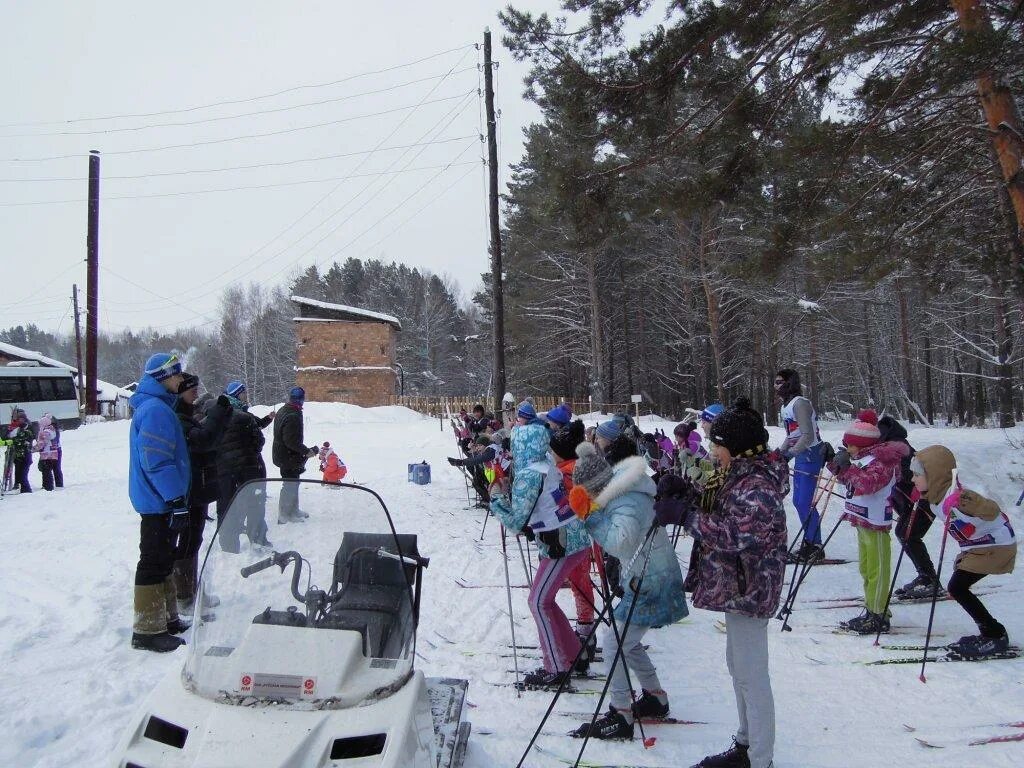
92 298
78 339
497 295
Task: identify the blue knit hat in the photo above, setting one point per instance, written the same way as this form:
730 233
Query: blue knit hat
234 388
162 366
525 410
612 428
560 415
711 411
297 395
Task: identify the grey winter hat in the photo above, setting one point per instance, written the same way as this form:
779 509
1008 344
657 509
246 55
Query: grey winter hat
591 472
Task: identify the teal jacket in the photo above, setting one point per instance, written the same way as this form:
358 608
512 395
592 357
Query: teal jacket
530 444
619 525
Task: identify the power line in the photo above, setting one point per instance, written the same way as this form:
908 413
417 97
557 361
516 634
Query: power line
221 118
186 193
209 105
228 139
253 166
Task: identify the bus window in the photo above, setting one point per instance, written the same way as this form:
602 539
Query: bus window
65 389
11 391
46 390
32 394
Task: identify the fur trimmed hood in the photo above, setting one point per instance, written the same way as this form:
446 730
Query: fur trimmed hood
628 475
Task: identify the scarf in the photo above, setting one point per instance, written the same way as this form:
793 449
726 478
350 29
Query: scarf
717 479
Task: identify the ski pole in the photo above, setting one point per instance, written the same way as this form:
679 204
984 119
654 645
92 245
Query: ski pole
1020 498
808 564
511 621
522 557
787 606
648 743
899 562
935 588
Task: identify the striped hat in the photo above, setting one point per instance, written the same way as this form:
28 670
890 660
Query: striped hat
162 366
711 411
863 433
234 388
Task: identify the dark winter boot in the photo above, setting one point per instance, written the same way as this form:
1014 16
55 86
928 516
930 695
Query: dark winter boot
734 757
921 588
178 625
161 642
812 553
588 639
611 725
650 706
867 623
541 679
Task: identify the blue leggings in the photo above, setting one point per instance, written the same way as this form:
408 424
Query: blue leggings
807 466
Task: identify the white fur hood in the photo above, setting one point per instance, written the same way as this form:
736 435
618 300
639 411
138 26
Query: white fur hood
630 474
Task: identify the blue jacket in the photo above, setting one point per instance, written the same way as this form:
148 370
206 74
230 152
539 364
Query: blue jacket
159 468
624 516
529 444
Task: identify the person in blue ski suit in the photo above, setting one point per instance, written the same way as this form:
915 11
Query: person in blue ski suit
159 476
804 446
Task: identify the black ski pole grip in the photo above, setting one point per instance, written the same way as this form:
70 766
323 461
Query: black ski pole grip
262 565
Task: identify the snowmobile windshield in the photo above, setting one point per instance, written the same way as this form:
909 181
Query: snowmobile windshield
307 598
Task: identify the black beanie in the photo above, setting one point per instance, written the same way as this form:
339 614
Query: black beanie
565 440
740 429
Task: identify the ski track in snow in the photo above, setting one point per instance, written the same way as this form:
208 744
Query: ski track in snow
71 680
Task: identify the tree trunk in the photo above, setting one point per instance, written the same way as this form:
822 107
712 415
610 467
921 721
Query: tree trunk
626 347
959 400
908 375
1004 369
997 102
812 367
597 373
713 306
929 399
868 356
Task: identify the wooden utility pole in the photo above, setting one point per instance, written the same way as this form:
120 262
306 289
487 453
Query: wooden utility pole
1004 124
92 288
78 339
497 295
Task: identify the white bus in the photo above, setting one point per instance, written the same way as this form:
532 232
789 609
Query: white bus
39 390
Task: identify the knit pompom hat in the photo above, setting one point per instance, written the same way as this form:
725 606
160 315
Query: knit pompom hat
590 475
740 429
612 428
863 433
559 416
526 411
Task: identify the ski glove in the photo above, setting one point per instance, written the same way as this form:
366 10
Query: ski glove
456 462
179 513
842 460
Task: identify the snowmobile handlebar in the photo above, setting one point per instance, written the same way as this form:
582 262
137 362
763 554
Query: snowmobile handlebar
422 562
280 559
262 565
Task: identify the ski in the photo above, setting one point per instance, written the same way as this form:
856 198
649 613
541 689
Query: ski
950 656
568 689
1003 739
588 676
900 630
466 585
584 763
932 647
645 720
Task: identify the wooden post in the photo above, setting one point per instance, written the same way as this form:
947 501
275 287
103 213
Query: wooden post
92 288
497 290
78 341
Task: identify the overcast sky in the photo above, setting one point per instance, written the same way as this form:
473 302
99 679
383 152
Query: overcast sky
166 258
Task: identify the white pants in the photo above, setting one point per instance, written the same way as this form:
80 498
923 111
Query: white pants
643 673
746 653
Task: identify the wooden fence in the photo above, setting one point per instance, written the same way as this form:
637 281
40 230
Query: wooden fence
439 406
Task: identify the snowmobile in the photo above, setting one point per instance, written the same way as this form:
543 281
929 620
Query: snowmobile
282 672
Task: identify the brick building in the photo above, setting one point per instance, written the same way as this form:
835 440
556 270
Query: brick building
345 354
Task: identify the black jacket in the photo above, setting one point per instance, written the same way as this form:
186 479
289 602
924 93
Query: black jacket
894 432
239 454
203 437
289 453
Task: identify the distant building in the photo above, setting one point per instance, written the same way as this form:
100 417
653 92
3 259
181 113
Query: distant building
345 354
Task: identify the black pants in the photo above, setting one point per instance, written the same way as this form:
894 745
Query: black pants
480 483
191 539
912 537
959 588
48 469
21 467
157 547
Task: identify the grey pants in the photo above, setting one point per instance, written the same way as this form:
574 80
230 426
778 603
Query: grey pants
641 668
746 652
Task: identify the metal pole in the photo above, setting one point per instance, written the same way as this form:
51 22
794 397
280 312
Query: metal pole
92 298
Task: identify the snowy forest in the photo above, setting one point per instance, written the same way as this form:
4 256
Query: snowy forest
739 187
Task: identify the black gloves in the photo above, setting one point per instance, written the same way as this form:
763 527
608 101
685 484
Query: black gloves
456 462
179 514
841 460
527 531
313 451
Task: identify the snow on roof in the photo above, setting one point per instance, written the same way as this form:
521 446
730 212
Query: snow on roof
27 354
355 312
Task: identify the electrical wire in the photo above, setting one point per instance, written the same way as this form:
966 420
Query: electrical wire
248 100
221 118
47 284
184 193
229 139
225 169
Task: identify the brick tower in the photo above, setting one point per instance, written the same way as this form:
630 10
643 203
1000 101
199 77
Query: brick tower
345 354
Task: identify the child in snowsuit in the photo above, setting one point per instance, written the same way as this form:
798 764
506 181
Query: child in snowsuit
20 435
538 508
987 542
617 507
870 469
914 517
46 445
331 465
742 567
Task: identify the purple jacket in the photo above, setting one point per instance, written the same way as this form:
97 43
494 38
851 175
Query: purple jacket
743 540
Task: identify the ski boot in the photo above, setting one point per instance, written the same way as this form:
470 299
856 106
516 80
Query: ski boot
867 623
979 646
734 757
649 706
611 725
921 588
588 639
812 553
542 680
159 643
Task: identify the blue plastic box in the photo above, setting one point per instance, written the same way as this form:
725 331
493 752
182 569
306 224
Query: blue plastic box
419 473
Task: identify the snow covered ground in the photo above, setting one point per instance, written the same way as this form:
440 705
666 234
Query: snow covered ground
71 681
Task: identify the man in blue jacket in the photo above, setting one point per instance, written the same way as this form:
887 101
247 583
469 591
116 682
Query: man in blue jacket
159 474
